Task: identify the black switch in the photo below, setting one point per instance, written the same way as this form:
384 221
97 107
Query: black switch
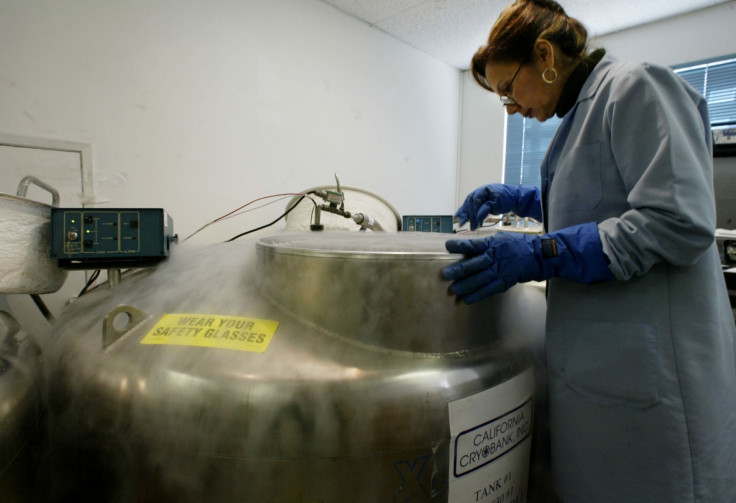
88 243
88 219
134 224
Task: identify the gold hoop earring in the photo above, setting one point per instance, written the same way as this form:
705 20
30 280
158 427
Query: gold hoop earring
547 79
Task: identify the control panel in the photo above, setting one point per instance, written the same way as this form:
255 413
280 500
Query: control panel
427 223
84 238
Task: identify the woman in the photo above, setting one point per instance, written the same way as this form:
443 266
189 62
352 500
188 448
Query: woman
640 334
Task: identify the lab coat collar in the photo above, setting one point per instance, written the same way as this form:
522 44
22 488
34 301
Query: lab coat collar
576 81
593 82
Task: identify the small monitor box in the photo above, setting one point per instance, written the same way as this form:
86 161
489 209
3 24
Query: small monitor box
92 238
427 223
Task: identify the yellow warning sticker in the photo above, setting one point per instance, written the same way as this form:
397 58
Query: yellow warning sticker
211 331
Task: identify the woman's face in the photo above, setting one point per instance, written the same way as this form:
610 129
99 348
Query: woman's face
532 97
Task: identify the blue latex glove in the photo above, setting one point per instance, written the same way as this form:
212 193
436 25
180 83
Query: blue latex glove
494 264
497 199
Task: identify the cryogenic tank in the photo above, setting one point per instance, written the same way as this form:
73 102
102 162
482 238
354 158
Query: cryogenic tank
19 411
311 367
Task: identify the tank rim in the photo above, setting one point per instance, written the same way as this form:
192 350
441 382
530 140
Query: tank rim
275 244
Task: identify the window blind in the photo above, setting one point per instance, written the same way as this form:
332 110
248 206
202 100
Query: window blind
716 81
526 143
527 139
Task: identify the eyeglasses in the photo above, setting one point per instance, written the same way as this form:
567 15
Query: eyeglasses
507 100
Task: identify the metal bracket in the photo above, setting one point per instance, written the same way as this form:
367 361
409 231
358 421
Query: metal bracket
119 322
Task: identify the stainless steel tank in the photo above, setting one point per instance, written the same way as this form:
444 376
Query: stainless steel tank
20 394
309 367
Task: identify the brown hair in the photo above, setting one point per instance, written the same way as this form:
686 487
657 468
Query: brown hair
518 28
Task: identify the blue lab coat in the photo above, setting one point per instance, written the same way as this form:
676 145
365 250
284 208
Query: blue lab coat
642 370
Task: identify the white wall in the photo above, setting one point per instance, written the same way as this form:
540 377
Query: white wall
481 138
703 34
199 106
700 35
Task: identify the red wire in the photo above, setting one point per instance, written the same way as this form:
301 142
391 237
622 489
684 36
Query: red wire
240 208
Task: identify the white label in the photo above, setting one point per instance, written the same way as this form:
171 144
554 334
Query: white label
491 443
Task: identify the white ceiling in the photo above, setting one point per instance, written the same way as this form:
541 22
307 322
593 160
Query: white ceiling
452 30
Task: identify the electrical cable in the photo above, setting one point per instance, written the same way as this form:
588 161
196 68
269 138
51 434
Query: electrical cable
235 212
253 209
279 218
91 280
484 226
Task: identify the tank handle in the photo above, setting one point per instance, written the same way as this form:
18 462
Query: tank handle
119 322
26 181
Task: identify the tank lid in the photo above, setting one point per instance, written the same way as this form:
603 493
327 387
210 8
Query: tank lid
402 245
